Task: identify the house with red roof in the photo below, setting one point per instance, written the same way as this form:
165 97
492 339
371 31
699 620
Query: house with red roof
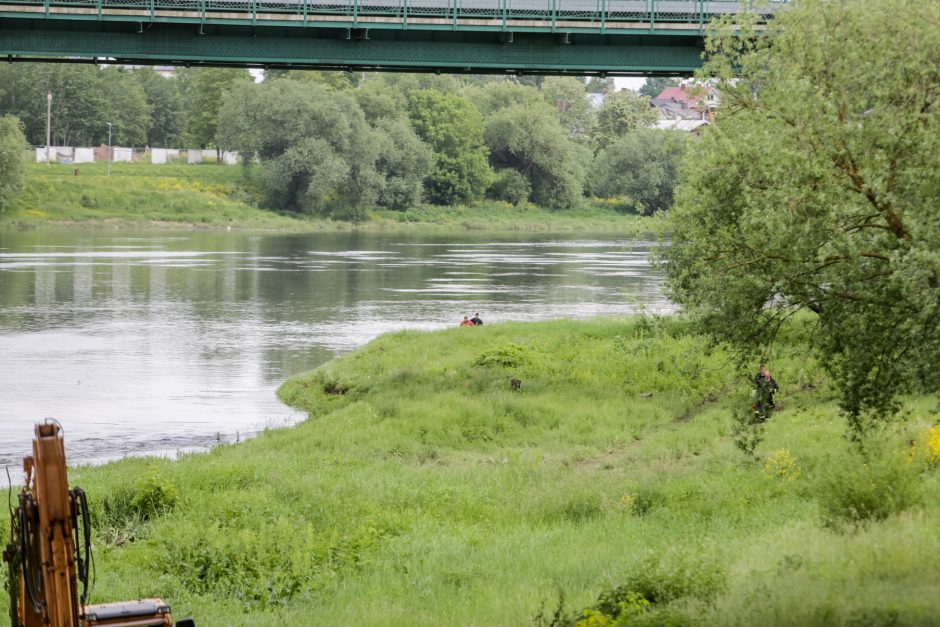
687 102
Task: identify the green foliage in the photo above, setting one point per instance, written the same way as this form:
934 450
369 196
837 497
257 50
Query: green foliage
403 162
430 491
496 95
746 427
507 356
511 186
80 106
219 197
622 113
381 101
206 90
654 85
167 122
654 582
570 102
266 565
595 85
816 191
530 139
642 166
127 107
148 497
12 160
334 79
453 128
123 516
864 488
317 152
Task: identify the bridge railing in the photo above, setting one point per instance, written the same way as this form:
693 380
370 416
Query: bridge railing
508 13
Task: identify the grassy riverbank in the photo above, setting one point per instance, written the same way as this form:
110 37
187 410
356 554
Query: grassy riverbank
423 491
214 196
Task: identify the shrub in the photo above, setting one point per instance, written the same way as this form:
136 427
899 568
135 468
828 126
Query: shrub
675 575
153 496
655 582
747 431
123 513
511 186
147 498
862 490
507 355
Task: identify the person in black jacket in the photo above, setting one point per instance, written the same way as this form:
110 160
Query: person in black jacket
765 388
476 319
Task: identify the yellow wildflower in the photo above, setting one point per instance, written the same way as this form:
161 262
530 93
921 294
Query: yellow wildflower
782 465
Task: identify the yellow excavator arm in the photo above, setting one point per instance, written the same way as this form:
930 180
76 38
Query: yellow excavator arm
49 552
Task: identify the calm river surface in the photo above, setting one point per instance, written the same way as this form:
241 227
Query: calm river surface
144 342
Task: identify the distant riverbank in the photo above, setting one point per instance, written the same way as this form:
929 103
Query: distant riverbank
219 197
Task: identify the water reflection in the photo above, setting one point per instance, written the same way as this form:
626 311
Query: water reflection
154 341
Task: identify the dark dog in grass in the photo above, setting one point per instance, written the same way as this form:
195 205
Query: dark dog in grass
515 385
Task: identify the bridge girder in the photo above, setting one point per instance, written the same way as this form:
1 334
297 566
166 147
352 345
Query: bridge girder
355 48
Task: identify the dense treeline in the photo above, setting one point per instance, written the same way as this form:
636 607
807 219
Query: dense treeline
143 107
336 144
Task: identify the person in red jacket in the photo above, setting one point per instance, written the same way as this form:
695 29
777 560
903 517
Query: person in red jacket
466 322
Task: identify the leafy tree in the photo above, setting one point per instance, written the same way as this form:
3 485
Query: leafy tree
125 107
317 152
510 186
334 79
407 83
643 166
571 105
622 112
453 127
531 141
818 191
167 111
655 85
496 95
12 159
403 161
596 85
381 101
205 91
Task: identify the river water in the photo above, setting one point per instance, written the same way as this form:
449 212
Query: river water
156 342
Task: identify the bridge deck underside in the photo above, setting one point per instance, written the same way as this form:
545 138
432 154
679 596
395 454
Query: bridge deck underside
528 36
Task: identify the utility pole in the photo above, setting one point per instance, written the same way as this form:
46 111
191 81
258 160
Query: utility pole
109 148
48 124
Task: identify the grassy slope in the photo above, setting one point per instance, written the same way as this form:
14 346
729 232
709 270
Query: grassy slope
213 196
429 494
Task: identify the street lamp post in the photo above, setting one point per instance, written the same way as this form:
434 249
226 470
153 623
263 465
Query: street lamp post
48 124
109 148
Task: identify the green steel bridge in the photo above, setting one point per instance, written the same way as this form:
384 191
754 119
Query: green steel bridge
605 37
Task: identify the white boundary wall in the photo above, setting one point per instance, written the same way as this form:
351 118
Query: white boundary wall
119 154
84 155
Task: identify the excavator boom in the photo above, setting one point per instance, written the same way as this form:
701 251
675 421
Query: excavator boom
49 553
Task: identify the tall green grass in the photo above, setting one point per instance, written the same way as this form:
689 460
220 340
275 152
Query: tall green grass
424 491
